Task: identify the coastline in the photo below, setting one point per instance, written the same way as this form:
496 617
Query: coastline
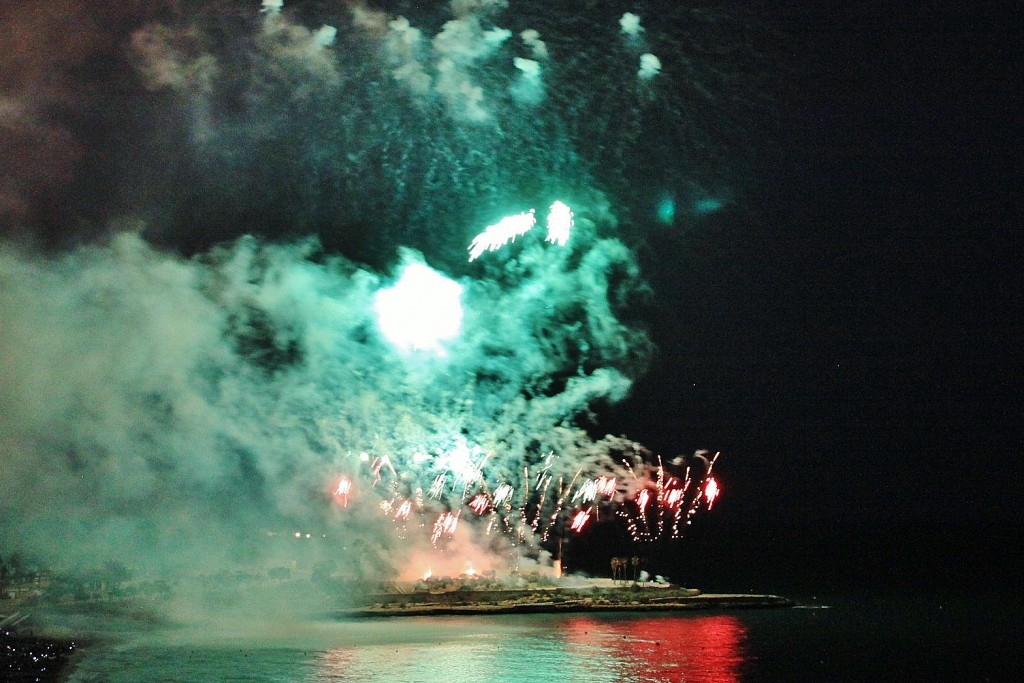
560 600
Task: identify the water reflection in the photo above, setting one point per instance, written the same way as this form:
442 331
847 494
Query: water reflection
697 649
702 649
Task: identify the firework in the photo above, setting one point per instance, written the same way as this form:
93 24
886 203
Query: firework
643 500
559 224
445 524
503 494
399 398
672 498
479 503
501 233
667 504
342 491
711 491
653 502
404 510
580 520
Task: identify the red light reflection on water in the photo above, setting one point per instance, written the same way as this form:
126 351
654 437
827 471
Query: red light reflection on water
337 660
700 649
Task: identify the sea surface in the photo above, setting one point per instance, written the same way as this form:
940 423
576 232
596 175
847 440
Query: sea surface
896 638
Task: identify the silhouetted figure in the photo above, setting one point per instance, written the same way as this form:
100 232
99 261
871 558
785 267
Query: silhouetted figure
619 565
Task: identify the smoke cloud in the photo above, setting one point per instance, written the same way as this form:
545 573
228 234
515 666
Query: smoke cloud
154 406
186 375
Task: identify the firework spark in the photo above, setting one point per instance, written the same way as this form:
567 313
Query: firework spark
559 224
479 503
587 492
503 494
501 233
404 510
606 487
580 520
667 504
342 491
446 523
437 486
711 491
653 502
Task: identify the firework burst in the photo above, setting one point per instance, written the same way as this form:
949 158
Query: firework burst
530 510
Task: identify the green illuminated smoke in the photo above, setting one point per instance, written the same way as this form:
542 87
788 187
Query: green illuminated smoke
169 410
667 210
707 205
154 404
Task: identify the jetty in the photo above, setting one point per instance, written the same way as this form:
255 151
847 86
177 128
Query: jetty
594 598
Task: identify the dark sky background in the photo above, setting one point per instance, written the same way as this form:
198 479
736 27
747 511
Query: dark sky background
853 352
846 332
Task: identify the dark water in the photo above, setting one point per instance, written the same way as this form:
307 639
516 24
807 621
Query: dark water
933 637
894 639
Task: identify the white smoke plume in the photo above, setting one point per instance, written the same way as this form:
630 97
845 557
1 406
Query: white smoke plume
172 390
153 404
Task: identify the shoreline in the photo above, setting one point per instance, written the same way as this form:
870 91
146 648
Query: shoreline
628 599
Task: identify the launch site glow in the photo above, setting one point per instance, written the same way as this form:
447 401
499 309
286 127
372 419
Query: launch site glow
422 309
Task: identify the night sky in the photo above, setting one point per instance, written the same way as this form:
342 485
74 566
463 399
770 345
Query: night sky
844 329
852 350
